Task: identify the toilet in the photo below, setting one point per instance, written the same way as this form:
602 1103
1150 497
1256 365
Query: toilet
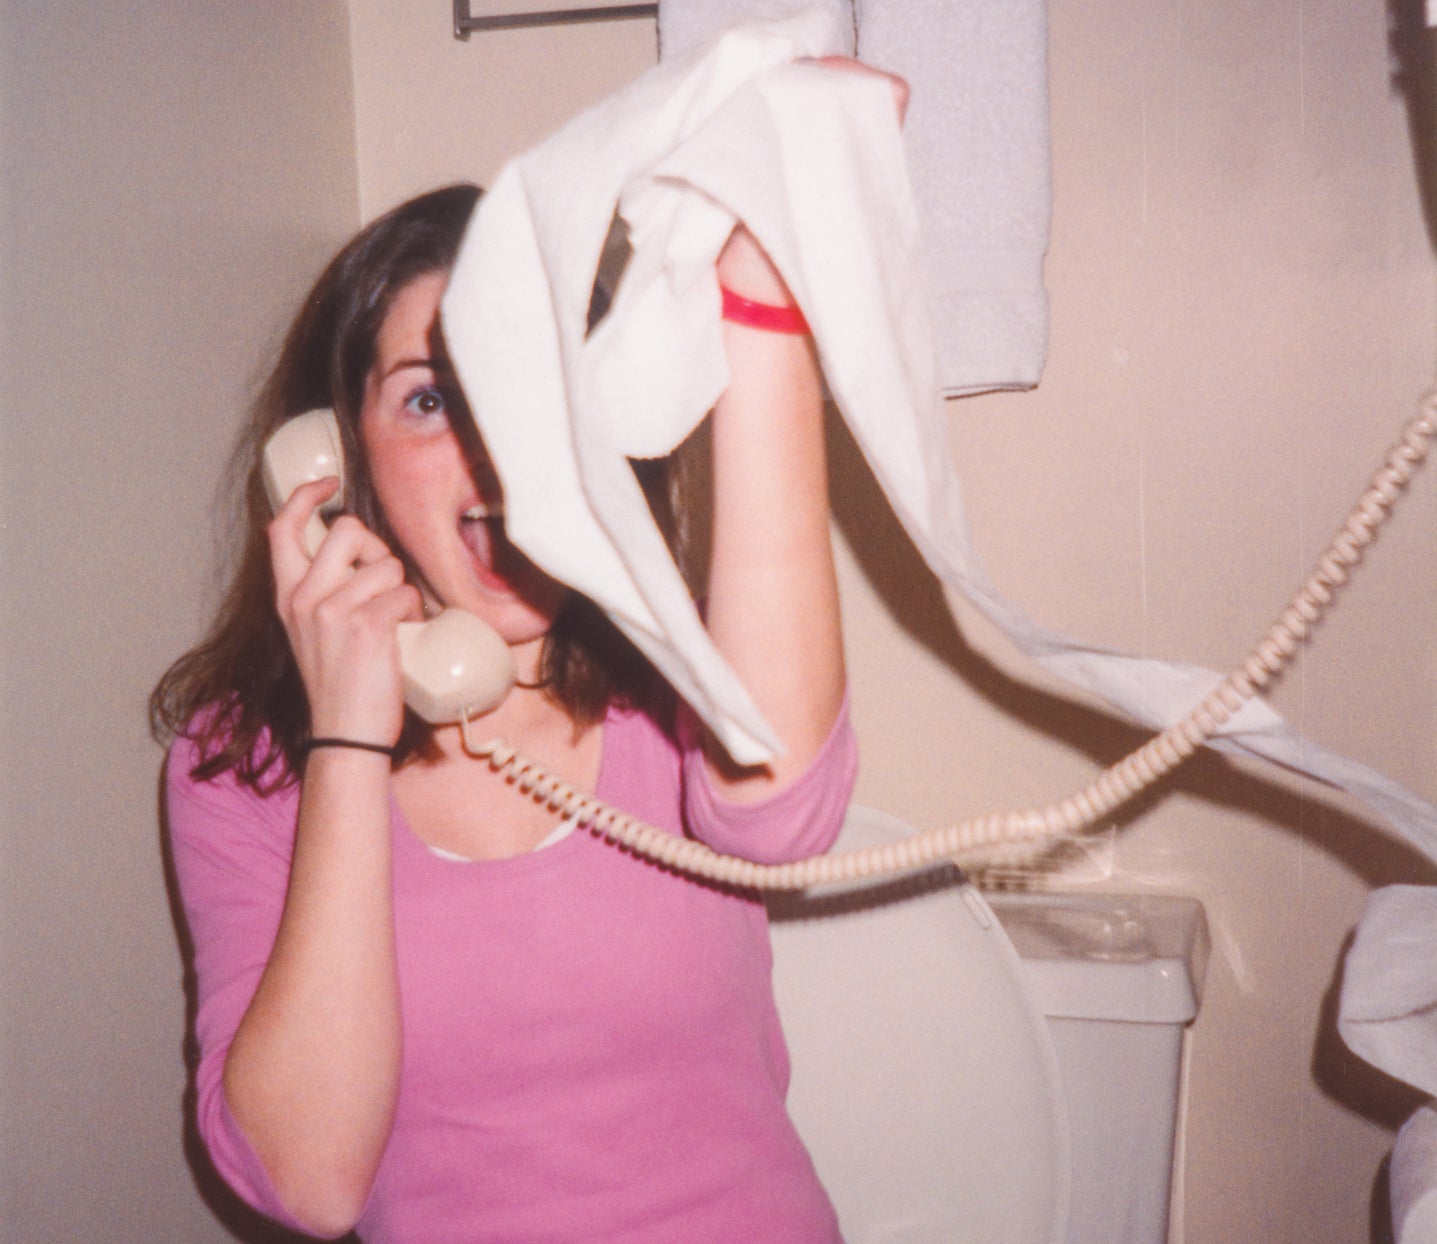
1000 1069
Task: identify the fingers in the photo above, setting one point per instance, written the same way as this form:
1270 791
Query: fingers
349 546
352 568
346 646
288 555
347 543
340 611
332 598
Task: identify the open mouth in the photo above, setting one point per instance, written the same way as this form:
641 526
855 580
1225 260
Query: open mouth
482 529
498 564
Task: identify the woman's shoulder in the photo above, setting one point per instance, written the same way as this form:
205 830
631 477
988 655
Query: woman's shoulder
202 756
221 828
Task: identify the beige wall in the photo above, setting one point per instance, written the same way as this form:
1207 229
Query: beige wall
1242 317
430 108
1243 312
172 174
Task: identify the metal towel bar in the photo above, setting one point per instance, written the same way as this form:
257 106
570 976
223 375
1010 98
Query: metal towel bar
465 22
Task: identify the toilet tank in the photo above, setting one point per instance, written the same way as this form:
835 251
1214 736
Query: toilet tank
1119 978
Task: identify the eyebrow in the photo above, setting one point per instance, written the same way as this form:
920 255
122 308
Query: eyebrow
440 367
401 364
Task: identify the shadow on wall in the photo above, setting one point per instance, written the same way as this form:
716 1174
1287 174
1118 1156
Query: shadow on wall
913 597
1413 46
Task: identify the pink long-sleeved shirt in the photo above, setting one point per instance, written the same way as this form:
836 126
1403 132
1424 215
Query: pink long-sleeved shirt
591 1047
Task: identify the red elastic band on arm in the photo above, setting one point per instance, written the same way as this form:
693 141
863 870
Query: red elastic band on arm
761 315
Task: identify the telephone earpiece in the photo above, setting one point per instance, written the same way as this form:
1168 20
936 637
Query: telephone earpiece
305 449
455 665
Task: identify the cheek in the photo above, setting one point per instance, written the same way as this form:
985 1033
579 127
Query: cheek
399 487
410 479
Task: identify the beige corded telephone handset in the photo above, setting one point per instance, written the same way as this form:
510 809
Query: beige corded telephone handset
455 665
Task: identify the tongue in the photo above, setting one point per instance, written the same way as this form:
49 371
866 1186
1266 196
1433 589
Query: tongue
479 539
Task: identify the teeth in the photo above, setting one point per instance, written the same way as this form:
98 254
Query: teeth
483 511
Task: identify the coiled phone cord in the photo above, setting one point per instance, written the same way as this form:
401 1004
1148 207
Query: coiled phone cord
995 834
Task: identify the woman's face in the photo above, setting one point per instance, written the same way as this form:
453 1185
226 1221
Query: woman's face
442 504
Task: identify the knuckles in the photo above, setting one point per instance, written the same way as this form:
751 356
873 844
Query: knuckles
349 596
347 527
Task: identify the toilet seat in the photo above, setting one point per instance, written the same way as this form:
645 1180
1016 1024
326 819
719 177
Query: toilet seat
924 1080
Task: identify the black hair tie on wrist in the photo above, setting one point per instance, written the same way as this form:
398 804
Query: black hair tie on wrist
310 744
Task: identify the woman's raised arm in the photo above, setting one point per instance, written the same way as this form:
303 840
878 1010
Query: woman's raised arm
772 591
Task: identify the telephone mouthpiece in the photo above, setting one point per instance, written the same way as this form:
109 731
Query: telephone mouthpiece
454 665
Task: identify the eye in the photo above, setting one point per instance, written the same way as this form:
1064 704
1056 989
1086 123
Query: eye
427 402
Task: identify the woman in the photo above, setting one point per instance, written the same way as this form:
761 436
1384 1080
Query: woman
424 1008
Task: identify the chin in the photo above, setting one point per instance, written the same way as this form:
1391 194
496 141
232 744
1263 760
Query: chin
519 617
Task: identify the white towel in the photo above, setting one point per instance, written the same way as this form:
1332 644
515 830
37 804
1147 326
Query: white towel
977 145
1413 1179
1389 999
1388 1015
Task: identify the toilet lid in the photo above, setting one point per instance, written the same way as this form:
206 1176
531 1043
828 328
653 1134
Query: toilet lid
924 1082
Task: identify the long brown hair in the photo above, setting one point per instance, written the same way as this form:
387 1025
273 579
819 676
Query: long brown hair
238 692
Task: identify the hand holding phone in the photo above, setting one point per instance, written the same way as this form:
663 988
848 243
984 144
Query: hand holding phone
455 665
